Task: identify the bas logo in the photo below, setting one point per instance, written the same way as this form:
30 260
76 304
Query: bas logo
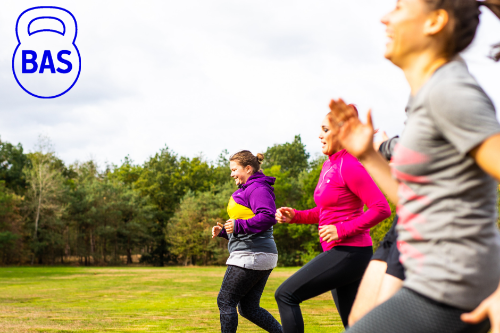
46 62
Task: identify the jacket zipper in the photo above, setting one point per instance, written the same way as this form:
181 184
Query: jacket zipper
324 177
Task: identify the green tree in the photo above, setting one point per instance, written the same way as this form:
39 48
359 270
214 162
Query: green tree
12 162
190 229
44 199
297 244
11 246
161 182
292 157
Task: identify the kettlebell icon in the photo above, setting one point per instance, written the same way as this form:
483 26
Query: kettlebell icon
46 62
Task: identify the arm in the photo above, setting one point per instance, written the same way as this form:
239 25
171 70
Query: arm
360 183
264 208
223 234
487 156
378 168
310 216
386 148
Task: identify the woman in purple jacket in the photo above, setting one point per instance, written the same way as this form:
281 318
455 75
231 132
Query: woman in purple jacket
253 253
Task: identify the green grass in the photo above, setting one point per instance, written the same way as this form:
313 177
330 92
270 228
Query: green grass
133 299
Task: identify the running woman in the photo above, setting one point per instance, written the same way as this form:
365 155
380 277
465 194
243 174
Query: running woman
253 253
344 187
445 167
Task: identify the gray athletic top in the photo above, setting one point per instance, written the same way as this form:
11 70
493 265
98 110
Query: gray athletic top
448 238
259 261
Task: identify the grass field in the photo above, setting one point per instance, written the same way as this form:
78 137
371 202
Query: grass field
133 299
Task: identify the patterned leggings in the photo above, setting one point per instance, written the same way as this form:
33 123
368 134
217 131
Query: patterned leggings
243 288
410 312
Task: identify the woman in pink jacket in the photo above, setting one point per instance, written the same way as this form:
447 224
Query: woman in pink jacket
344 187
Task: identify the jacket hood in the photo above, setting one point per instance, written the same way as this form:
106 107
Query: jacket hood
259 177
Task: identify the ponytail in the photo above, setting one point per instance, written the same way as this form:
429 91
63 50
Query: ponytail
245 158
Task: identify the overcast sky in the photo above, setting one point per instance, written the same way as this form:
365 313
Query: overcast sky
203 76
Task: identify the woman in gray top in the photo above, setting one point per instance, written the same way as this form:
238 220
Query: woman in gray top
443 178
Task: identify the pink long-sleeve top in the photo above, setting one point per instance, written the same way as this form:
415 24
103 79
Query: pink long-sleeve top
344 187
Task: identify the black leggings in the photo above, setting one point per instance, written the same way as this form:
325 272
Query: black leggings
410 312
243 287
339 270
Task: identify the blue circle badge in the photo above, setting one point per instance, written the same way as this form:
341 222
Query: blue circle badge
46 62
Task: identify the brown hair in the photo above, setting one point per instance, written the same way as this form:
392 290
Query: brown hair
464 15
245 158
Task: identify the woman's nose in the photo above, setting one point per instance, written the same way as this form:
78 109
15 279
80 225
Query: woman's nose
385 19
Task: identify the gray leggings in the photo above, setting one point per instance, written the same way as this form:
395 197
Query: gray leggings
410 312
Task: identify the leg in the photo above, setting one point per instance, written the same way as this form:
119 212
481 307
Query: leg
335 268
390 286
369 289
249 306
226 301
236 284
345 299
410 312
335 296
394 276
383 278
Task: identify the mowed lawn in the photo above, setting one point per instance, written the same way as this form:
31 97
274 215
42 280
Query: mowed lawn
133 299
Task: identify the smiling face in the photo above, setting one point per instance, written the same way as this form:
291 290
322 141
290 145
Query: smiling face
406 31
240 174
329 137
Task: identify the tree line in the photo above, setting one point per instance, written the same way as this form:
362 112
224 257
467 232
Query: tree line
160 212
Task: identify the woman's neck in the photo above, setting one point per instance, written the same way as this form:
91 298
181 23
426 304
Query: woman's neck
420 68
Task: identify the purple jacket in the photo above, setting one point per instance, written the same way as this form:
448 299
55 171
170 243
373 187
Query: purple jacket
256 194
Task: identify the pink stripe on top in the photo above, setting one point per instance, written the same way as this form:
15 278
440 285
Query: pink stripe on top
344 187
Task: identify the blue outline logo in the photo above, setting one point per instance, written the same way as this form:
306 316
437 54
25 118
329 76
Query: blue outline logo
29 33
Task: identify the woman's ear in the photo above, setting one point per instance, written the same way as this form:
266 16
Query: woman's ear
436 22
248 169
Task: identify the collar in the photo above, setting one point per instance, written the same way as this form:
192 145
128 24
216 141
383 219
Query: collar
337 155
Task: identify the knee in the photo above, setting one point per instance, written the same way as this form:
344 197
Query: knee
283 295
244 311
220 301
225 304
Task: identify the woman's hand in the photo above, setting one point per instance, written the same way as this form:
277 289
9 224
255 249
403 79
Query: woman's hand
354 136
229 226
490 307
328 233
216 230
284 215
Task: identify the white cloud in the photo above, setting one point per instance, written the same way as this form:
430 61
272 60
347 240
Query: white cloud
202 76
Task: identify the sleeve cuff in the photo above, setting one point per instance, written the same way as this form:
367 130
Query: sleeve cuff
223 234
236 227
473 143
